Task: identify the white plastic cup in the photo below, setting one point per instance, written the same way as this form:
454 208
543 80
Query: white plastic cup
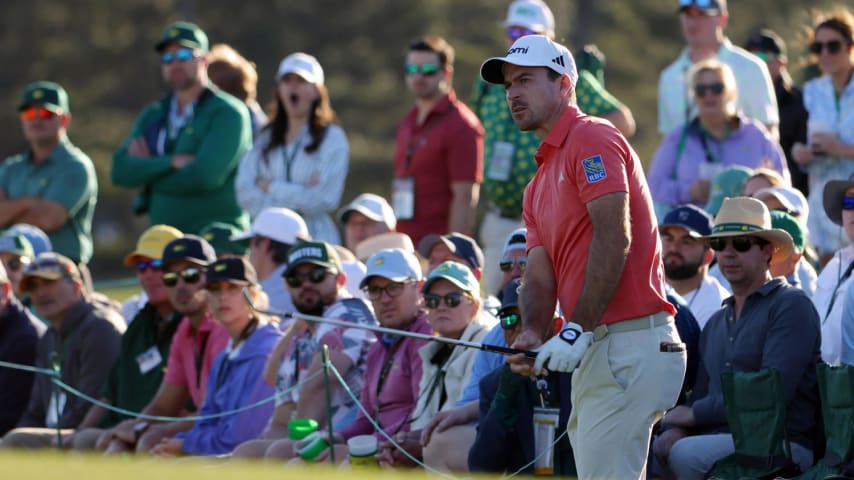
362 450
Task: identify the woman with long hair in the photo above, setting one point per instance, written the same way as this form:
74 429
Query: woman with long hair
829 99
300 159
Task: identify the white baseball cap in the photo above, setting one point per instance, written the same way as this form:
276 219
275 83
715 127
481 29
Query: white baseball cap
517 240
280 224
303 65
372 206
531 51
531 14
394 264
791 198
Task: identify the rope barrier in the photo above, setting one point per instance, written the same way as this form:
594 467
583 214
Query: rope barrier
327 366
192 418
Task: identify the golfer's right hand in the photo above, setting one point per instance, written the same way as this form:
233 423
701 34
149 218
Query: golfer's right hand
519 363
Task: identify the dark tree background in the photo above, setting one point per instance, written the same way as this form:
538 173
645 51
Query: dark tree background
101 51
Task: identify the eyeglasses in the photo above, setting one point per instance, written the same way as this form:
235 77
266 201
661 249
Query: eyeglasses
700 89
190 275
393 289
144 265
740 244
509 320
515 33
427 69
182 55
452 300
16 263
32 113
833 47
317 275
507 264
848 203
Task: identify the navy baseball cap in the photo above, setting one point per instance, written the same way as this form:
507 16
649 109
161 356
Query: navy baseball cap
460 245
190 248
231 269
692 218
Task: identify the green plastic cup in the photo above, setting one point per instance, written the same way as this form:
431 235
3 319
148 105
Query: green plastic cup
300 428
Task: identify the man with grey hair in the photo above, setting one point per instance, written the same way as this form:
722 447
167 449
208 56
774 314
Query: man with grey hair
82 339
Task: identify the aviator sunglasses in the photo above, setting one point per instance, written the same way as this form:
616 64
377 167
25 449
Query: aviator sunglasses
427 69
190 275
181 55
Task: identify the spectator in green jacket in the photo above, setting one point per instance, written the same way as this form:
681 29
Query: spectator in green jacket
183 150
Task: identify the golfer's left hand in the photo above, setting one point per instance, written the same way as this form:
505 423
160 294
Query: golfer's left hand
563 352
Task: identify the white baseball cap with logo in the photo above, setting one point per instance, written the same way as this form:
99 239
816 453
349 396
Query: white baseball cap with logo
372 206
531 51
302 64
280 224
532 14
393 264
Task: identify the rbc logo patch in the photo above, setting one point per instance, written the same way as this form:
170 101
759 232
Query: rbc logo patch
594 169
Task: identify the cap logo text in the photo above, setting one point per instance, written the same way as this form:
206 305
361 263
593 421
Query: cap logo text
522 50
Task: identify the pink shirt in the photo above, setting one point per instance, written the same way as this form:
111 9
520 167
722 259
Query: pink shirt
582 159
191 349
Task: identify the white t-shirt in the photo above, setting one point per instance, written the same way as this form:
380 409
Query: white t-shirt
706 299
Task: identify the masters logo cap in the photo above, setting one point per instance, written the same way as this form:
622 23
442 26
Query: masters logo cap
190 248
393 264
48 95
456 273
185 34
151 243
531 51
233 270
316 253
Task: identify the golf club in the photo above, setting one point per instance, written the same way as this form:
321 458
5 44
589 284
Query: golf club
390 331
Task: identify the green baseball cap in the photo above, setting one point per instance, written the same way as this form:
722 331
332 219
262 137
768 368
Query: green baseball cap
48 95
790 224
456 273
16 244
219 234
728 183
315 253
183 33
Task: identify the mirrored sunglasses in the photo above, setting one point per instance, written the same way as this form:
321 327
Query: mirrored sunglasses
190 276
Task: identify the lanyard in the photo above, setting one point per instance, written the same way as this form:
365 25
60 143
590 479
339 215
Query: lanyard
289 158
845 276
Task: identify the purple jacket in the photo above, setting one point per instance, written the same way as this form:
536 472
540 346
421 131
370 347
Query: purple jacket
671 175
396 400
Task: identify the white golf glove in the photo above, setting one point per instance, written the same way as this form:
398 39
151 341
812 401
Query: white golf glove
563 352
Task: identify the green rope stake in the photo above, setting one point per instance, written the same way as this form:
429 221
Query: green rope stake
328 389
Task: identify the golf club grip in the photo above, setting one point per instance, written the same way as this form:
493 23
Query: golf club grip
507 350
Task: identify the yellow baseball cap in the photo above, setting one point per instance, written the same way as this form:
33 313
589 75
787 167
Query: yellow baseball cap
152 242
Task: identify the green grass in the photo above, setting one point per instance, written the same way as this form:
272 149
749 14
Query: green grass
119 293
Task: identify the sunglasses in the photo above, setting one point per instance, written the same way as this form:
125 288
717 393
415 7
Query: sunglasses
507 264
144 265
190 275
848 203
699 3
515 33
700 89
315 276
833 47
182 55
740 244
452 300
427 69
15 264
393 289
509 320
32 113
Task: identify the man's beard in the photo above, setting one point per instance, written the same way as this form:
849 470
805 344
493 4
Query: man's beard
315 309
682 272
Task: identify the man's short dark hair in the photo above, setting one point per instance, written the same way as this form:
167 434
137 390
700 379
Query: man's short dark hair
437 45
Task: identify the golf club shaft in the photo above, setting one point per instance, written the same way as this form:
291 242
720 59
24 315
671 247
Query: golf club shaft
391 331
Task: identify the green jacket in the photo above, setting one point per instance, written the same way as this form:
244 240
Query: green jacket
201 192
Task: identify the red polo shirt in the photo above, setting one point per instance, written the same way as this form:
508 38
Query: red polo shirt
581 159
447 147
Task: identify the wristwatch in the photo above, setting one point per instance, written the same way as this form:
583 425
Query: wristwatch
139 429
